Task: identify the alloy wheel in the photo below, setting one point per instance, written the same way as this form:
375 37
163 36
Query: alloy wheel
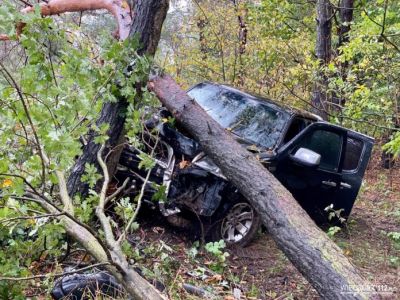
237 223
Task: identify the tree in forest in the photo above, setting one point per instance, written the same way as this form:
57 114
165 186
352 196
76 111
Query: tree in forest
363 72
346 11
53 87
323 53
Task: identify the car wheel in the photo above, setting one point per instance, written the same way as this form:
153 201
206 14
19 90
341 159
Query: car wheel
238 225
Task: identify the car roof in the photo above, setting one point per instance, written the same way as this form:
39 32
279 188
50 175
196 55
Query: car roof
281 107
350 133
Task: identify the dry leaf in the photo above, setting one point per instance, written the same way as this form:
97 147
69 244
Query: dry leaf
183 164
125 5
214 278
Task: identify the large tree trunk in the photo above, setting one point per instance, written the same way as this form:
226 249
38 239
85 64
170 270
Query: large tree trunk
147 23
112 114
146 26
323 51
148 20
319 259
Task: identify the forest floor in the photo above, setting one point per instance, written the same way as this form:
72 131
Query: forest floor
261 270
172 258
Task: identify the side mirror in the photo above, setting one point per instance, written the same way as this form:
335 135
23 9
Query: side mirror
306 157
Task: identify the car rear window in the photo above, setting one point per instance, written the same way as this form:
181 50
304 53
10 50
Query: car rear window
352 156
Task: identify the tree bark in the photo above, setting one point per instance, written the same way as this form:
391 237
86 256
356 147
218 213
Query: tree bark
112 114
146 26
323 51
319 259
243 31
346 17
201 25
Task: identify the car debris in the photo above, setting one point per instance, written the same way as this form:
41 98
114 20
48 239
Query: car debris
86 286
97 283
197 291
321 164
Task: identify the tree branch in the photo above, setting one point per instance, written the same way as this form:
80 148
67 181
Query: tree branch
9 220
105 224
120 9
53 275
383 27
139 204
14 84
65 198
119 190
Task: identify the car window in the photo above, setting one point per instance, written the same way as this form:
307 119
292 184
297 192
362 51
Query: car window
259 123
326 143
297 125
352 156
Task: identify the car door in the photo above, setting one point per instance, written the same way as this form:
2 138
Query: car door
357 152
314 188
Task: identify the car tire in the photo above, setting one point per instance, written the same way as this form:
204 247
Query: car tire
237 224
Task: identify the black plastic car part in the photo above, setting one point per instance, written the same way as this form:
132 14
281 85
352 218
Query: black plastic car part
86 286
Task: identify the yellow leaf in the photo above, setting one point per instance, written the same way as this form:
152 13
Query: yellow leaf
347 252
125 5
6 183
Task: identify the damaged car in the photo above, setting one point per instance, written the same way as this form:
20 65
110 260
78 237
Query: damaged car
321 164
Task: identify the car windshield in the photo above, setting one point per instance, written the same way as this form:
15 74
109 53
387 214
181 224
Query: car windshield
261 124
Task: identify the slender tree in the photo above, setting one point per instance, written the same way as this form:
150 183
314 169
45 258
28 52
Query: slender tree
346 8
323 52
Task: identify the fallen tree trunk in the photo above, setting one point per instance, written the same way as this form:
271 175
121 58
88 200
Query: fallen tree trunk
317 257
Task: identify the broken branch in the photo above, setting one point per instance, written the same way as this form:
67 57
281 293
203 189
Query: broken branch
120 9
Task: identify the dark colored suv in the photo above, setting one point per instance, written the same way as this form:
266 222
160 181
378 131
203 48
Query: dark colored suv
321 164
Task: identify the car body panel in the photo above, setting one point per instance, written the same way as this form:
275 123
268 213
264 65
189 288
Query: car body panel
317 188
197 185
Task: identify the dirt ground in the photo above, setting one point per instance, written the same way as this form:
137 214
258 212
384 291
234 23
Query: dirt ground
261 271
